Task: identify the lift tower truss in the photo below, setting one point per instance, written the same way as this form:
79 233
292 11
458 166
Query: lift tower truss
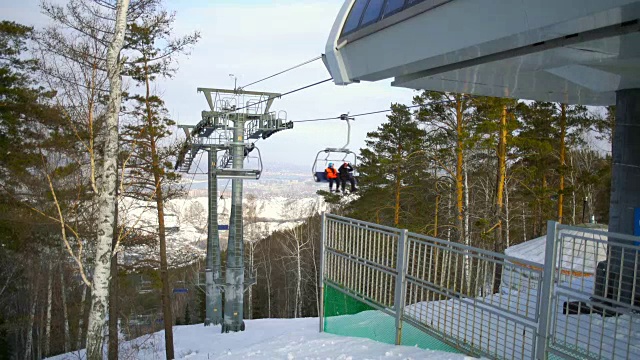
235 117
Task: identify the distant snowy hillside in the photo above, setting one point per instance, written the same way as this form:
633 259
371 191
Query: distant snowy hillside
267 339
186 223
290 181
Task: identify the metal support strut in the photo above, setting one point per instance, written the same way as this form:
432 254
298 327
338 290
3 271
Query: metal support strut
214 134
212 270
347 118
234 286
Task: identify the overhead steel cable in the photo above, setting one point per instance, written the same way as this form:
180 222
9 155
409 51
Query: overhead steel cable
305 87
279 96
282 72
371 112
380 111
320 119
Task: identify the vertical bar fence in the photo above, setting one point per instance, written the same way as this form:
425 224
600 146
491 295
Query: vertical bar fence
594 307
399 287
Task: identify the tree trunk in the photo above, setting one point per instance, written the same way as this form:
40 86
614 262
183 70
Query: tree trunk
113 301
524 225
32 317
563 133
501 151
288 311
317 277
507 229
396 208
541 208
81 327
252 247
65 312
298 280
39 332
467 233
268 275
444 268
500 180
107 191
435 221
574 200
449 207
167 312
459 170
83 301
47 332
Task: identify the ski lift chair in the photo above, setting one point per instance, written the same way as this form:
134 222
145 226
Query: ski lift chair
251 172
334 155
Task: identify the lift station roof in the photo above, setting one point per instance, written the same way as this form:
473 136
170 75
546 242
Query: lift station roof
571 51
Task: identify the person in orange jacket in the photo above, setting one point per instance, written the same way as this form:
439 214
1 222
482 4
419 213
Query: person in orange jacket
332 176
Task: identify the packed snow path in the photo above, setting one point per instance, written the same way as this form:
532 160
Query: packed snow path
267 339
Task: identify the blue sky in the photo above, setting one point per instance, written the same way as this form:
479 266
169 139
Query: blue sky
253 39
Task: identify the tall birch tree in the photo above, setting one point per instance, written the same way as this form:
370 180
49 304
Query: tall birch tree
107 189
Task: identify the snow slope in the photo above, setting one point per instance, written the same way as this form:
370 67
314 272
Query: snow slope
267 339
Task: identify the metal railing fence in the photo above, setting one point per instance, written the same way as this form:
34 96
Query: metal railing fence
594 306
450 292
489 304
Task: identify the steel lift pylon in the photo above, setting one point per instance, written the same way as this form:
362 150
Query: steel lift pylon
235 118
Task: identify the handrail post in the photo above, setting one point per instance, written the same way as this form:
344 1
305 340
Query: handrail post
546 310
401 288
321 275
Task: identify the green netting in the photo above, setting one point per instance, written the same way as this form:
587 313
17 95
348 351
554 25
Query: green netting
347 316
413 336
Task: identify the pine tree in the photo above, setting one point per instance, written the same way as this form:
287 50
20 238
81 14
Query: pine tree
16 98
548 131
149 158
447 117
573 122
493 125
36 155
29 124
391 165
535 157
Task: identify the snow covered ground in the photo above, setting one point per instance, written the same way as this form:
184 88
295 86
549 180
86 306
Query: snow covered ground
267 339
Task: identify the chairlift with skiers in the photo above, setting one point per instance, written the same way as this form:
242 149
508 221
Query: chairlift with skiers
334 155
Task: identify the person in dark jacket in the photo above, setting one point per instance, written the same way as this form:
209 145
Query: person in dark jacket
332 176
346 174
